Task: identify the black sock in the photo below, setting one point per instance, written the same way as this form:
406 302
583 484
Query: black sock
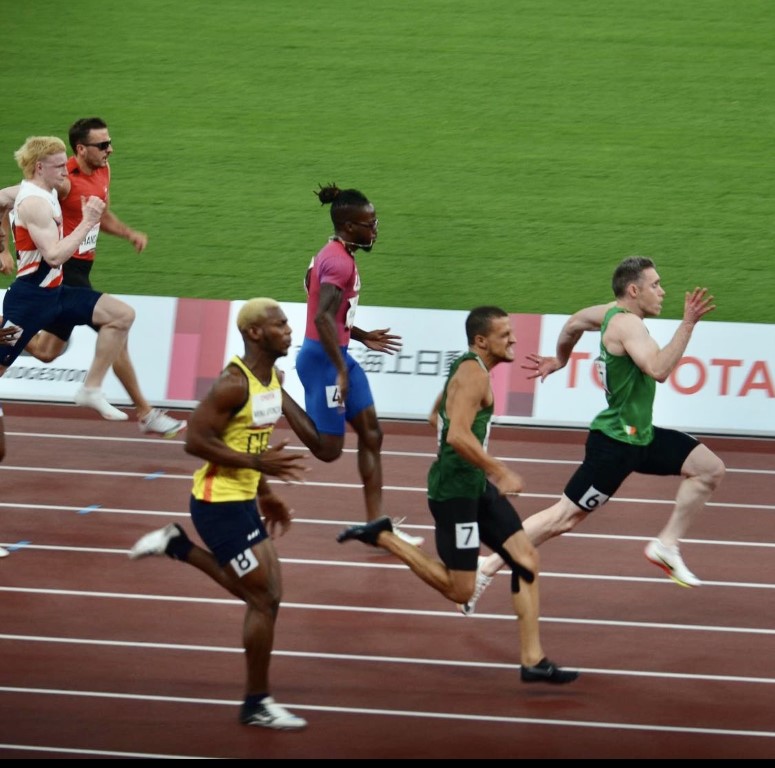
252 701
179 546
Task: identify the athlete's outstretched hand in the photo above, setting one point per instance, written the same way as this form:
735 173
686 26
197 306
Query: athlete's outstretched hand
541 366
697 304
381 341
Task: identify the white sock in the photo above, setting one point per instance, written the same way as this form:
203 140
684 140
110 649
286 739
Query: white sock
92 397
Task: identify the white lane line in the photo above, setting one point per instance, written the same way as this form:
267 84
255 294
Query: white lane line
385 452
387 611
508 720
52 750
152 477
371 659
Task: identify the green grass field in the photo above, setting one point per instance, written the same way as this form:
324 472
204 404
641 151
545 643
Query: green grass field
515 150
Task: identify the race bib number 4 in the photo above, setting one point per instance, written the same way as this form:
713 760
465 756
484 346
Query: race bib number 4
333 399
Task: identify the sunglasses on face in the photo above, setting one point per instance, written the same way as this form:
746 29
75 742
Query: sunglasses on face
101 145
372 225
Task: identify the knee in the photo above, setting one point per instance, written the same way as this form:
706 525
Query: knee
266 601
716 473
710 473
327 453
371 438
45 355
522 557
273 603
524 570
530 560
121 317
127 317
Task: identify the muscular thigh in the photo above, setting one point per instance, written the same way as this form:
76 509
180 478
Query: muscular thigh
359 395
318 376
230 529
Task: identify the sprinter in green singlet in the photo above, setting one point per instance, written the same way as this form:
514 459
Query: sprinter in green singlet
467 496
622 438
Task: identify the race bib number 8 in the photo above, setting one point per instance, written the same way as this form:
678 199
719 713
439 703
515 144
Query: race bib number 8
244 562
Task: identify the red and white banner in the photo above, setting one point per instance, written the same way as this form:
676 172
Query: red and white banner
725 383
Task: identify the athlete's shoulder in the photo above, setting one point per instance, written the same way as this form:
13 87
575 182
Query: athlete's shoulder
331 250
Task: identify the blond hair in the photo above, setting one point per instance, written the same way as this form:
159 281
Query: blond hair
34 150
253 311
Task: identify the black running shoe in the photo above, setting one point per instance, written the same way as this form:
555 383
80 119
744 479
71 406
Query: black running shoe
367 533
547 672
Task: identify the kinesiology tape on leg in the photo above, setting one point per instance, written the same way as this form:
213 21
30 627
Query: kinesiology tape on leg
517 572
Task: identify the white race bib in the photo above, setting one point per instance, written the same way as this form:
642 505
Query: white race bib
267 407
90 241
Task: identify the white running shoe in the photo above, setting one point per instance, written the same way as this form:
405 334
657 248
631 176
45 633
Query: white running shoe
155 542
415 541
91 397
159 422
270 714
4 552
482 582
670 561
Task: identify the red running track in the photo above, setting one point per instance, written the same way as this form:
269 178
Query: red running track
104 657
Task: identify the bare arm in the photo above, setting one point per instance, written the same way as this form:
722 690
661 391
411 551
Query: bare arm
433 416
8 198
300 422
588 319
111 224
7 262
379 340
35 214
208 423
467 392
658 363
325 322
